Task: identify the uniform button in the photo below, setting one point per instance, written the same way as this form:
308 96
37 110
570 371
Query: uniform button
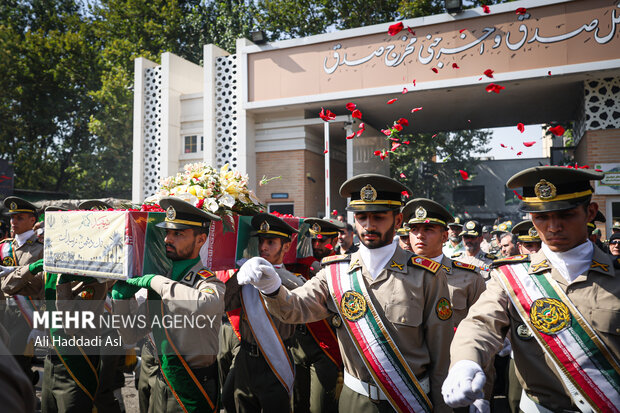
618 330
402 319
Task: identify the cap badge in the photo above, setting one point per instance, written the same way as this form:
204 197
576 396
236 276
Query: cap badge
13 205
171 214
264 226
316 228
368 194
532 232
470 225
502 226
545 190
420 213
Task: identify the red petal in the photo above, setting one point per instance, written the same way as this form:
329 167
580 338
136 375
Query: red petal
502 145
389 102
462 30
394 146
359 132
405 90
386 132
398 127
325 151
394 29
394 139
433 135
549 73
492 87
416 109
377 153
517 194
435 70
521 127
329 246
406 142
402 175
486 9
557 130
351 136
464 174
351 106
528 144
512 149
405 194
455 66
362 125
488 73
410 31
521 11
322 114
403 121
357 114
519 153
335 212
413 82
319 236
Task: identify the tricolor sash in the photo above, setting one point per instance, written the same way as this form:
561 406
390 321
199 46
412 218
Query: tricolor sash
267 336
24 303
7 254
585 364
374 344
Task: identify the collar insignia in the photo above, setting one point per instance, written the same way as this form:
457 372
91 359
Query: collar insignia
447 269
420 213
368 194
394 264
604 267
545 190
540 266
171 214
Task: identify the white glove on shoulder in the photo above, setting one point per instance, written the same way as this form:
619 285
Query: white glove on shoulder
464 384
6 270
480 406
506 349
261 274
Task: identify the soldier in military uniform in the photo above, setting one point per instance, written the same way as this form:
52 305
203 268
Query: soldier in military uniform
427 222
472 254
508 244
188 377
314 348
391 302
454 244
559 306
403 238
528 240
264 373
20 285
345 240
498 231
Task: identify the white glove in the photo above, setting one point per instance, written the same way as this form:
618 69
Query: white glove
480 406
464 384
261 274
6 270
506 349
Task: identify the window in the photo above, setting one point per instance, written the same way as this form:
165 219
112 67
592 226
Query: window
282 208
191 144
469 195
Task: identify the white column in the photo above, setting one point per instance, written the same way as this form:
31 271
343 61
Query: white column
210 53
327 172
246 145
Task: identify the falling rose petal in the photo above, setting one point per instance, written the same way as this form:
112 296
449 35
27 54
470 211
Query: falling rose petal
397 127
549 73
488 73
362 125
403 121
464 174
406 142
351 106
325 151
326 115
389 102
319 236
402 175
557 130
519 153
517 194
394 29
405 194
502 145
598 170
486 9
528 144
386 132
414 110
410 30
479 78
377 153
521 11
520 127
455 66
351 136
329 246
433 135
435 70
395 145
335 212
462 30
492 87
468 120
413 82
356 114
405 90
394 139
512 149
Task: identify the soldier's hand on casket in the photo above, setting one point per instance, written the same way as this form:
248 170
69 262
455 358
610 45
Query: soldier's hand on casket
123 291
142 282
36 266
6 270
464 384
261 274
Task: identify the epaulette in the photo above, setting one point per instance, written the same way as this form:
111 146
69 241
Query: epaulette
204 273
425 263
490 256
515 259
456 254
335 258
465 266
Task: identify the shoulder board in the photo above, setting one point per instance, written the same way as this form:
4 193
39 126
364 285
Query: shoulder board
490 256
456 254
515 259
465 266
425 263
335 258
204 273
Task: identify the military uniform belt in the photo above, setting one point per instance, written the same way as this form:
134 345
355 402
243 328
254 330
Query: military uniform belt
203 374
372 391
253 350
528 405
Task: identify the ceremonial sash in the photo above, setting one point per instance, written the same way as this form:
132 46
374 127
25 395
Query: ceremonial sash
376 347
24 303
7 254
324 336
79 367
586 366
267 336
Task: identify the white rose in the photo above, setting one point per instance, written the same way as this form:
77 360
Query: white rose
227 200
211 204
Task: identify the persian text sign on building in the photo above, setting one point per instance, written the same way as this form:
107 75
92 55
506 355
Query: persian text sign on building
546 37
610 185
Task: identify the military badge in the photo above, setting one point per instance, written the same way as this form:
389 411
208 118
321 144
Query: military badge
420 213
205 274
549 315
336 321
188 278
208 290
545 190
8 261
264 226
532 232
353 305
523 332
316 228
443 309
13 206
87 293
502 226
368 194
171 214
470 225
